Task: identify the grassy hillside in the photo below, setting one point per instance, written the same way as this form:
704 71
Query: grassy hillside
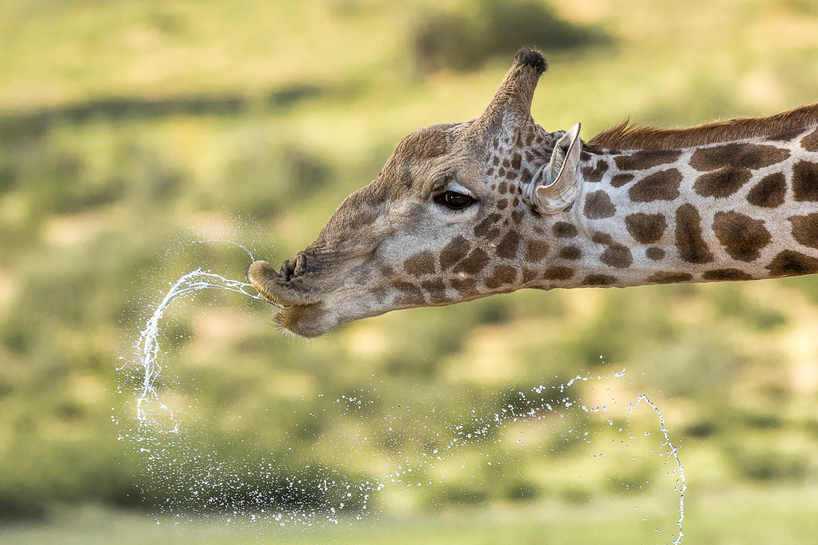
136 136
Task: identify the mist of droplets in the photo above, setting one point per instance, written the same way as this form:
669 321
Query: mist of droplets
264 490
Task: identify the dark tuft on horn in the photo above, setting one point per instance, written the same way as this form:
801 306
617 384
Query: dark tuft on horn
534 59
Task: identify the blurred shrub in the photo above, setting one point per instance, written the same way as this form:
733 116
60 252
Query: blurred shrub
466 493
767 463
36 473
444 331
632 480
618 328
464 41
246 486
521 490
731 301
699 365
268 177
517 401
701 429
806 284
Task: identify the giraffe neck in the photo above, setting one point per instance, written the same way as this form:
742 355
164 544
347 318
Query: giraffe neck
738 210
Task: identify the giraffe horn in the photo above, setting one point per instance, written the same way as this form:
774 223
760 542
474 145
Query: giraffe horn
515 94
555 185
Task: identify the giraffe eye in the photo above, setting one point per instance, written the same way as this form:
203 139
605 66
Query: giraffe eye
454 200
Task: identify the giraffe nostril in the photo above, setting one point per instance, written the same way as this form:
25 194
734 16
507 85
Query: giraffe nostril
300 265
288 269
293 268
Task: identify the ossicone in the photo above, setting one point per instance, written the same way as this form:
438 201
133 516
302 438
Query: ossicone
512 101
532 58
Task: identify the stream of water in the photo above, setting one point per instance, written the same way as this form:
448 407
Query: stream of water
148 344
153 437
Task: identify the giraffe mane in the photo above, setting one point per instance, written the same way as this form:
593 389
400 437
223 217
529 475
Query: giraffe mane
627 136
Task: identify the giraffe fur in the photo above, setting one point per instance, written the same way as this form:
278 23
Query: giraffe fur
496 204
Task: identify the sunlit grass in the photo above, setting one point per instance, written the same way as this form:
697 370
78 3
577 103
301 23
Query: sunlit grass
747 516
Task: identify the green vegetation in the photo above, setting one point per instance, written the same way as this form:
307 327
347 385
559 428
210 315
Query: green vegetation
135 137
747 516
484 30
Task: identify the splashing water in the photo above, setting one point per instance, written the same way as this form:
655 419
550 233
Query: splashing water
672 451
681 483
148 344
396 472
540 409
161 446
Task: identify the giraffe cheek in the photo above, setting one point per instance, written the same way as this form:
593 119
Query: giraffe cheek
507 249
473 264
501 277
436 291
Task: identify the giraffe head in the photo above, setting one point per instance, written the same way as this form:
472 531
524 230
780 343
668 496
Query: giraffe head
450 218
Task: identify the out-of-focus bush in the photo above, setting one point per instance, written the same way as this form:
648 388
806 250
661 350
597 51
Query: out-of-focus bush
484 29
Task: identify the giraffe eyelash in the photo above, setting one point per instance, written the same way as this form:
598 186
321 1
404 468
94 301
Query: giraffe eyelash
455 201
451 195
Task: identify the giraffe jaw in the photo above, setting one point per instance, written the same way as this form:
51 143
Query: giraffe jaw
306 321
313 315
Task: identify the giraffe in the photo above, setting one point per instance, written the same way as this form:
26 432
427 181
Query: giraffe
495 204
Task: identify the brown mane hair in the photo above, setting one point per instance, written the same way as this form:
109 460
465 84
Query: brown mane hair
629 137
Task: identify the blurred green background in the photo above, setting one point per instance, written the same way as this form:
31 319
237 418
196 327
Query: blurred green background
134 136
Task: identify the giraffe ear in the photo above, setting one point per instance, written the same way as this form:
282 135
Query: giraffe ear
555 185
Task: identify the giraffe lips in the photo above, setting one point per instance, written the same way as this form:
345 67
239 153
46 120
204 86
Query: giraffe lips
299 314
277 289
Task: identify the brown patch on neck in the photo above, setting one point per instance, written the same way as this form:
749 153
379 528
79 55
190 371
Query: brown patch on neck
631 137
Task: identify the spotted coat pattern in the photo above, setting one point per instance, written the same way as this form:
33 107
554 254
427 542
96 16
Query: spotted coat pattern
727 201
725 211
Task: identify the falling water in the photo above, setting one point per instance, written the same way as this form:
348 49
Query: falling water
672 452
148 344
154 445
161 445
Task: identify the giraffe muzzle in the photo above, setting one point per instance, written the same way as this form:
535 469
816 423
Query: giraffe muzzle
277 288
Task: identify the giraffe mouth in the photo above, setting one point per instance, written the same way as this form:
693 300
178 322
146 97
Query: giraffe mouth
298 313
278 289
